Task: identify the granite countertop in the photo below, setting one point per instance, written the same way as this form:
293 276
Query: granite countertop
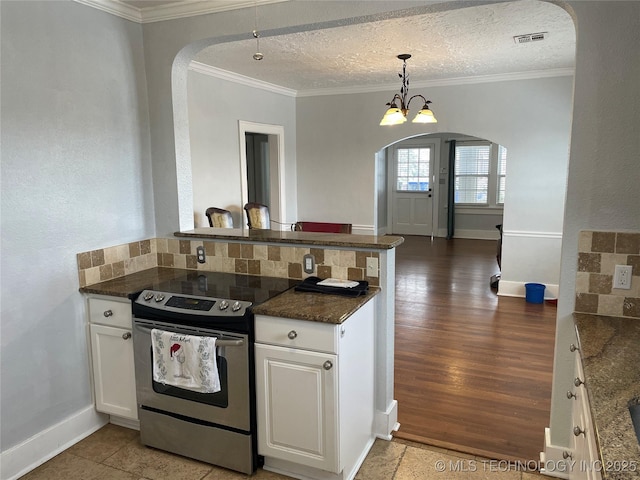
135 282
382 242
610 351
315 307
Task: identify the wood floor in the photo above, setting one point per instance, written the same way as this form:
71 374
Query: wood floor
472 370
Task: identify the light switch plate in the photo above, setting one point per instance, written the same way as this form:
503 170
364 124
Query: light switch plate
372 267
308 263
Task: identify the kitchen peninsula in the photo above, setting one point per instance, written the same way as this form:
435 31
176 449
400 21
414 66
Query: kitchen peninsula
266 253
342 256
295 237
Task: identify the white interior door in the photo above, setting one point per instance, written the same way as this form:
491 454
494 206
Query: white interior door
413 190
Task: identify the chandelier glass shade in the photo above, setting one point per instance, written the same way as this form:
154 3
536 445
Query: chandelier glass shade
397 114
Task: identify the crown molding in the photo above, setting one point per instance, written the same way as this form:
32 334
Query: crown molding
115 8
170 11
445 82
241 79
252 82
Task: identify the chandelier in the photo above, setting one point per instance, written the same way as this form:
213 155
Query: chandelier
396 115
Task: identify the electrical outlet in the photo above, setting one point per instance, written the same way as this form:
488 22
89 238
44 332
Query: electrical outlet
372 267
200 255
622 277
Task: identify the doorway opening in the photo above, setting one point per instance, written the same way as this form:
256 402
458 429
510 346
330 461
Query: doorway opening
262 168
258 170
420 173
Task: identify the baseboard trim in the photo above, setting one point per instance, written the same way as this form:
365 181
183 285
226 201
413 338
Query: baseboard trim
552 463
385 423
125 422
471 234
517 289
363 229
477 234
45 445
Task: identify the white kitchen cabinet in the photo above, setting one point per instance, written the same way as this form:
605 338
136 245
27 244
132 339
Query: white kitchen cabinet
586 459
315 399
112 357
299 406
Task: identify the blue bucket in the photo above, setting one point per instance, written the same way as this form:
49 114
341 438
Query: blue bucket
534 292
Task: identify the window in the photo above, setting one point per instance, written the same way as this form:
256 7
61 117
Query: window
502 173
480 174
413 169
472 174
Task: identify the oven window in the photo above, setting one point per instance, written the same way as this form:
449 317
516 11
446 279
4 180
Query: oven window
218 399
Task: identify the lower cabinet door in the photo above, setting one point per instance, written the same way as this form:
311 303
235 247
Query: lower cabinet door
113 371
297 406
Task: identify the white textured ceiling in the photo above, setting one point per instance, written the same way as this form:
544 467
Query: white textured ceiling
451 44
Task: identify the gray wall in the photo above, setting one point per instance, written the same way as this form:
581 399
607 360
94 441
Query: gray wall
170 46
339 151
215 107
604 169
76 175
76 168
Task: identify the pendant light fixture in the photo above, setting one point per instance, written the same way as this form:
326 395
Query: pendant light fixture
256 35
396 115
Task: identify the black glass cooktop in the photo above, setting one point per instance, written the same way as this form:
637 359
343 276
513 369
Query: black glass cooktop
230 286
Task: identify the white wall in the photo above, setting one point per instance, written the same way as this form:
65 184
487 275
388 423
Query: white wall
215 106
76 175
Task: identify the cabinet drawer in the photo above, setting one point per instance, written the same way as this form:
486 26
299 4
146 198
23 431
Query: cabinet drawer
109 312
318 336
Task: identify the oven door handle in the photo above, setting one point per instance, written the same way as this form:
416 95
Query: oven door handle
220 342
229 343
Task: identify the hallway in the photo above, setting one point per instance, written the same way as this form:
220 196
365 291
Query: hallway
472 370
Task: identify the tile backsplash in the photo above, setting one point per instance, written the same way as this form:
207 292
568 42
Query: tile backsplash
598 254
251 259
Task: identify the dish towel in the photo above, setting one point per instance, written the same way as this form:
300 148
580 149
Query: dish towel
185 361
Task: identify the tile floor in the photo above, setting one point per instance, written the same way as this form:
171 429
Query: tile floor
115 453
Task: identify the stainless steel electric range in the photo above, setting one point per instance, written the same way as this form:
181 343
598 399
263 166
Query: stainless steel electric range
218 428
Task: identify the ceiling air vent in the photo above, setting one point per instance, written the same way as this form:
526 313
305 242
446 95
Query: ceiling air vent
530 37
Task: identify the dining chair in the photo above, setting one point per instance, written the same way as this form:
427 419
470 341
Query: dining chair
219 217
257 216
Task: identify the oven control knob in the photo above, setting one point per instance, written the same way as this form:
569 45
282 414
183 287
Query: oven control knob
159 297
148 296
224 305
236 306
